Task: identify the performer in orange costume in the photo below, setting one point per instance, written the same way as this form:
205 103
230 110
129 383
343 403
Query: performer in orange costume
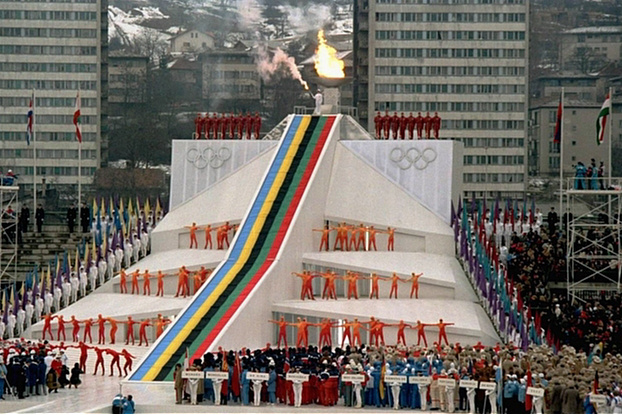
101 329
325 232
342 236
123 281
142 332
222 235
159 325
115 359
391 239
128 361
376 330
441 331
208 236
61 327
372 237
47 325
354 230
415 284
88 323
374 284
130 330
357 326
329 285
421 333
306 290
347 332
193 235
401 337
362 231
75 333
325 326
352 278
302 333
113 328
135 276
100 360
160 284
394 280
146 284
182 282
282 330
204 274
196 282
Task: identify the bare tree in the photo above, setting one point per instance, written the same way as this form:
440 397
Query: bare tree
150 43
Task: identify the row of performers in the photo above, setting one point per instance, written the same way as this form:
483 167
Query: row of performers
395 126
223 126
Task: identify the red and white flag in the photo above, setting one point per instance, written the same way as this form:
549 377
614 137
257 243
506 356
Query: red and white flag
76 118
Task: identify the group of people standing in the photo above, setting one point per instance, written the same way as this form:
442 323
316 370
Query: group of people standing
354 237
396 126
223 126
591 177
222 235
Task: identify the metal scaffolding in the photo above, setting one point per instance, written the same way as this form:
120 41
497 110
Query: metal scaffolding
593 256
8 233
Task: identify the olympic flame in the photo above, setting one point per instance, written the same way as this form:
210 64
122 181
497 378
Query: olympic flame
327 65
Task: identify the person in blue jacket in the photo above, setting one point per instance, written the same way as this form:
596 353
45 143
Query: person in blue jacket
245 386
128 405
272 385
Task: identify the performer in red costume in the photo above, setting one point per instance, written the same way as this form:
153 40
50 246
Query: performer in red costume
182 282
386 124
113 329
142 332
232 125
410 125
306 290
198 126
357 326
352 278
402 126
193 235
146 283
223 235
441 331
378 123
421 333
224 126
240 124
129 334
88 323
159 325
374 284
415 284
249 124
47 326
427 123
115 359
217 125
257 125
123 281
326 325
436 124
342 236
100 360
394 280
135 276
75 333
196 282
282 324
377 330
84 353
207 125
347 332
329 285
208 236
61 327
401 337
127 367
419 124
372 237
101 329
302 332
395 125
160 278
325 232
391 239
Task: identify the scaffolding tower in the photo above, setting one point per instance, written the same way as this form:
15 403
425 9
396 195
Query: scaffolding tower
8 233
594 231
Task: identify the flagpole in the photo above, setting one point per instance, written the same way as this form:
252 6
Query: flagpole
610 131
79 105
34 152
561 157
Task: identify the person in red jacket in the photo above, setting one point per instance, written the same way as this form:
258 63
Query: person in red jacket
436 125
386 124
410 126
233 123
427 123
378 124
198 126
257 125
419 124
207 125
403 123
395 125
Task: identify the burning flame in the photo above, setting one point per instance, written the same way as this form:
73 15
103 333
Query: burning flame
327 65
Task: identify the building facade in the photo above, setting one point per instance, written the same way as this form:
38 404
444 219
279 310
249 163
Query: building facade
191 41
466 60
587 49
54 48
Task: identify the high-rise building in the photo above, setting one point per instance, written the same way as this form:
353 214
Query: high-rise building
54 48
466 60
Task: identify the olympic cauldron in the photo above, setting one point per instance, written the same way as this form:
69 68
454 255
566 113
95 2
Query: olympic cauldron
331 92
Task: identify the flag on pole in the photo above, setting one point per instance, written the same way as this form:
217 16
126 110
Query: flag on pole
558 123
76 118
601 122
31 117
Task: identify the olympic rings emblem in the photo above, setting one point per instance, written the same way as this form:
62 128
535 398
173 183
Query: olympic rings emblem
413 157
208 156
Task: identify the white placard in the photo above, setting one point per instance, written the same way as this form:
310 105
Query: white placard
420 380
598 399
297 376
352 378
217 375
395 379
192 374
257 376
535 391
488 386
447 382
465 383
